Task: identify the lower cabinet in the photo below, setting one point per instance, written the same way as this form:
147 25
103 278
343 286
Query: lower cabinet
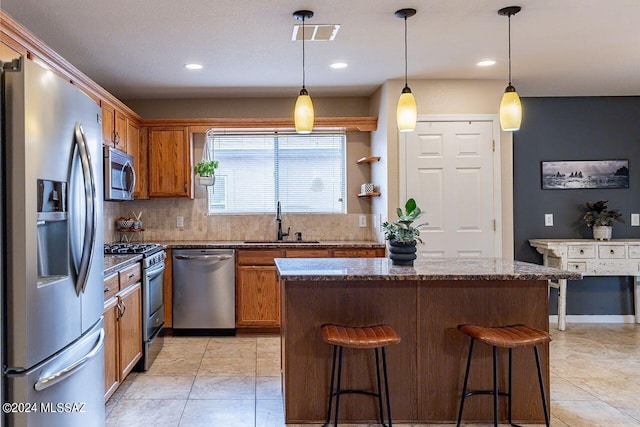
258 292
111 376
122 327
257 285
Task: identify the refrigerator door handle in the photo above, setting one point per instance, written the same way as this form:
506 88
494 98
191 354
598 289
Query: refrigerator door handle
55 378
90 213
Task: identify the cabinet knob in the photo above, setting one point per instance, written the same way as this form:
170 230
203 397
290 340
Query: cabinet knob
106 289
612 251
131 275
581 251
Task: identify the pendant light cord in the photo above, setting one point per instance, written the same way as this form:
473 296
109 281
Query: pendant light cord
405 52
303 53
509 49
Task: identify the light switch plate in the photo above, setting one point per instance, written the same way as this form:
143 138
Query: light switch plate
180 222
635 219
362 221
548 220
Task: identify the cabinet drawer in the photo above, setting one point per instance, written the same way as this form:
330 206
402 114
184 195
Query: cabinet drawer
611 251
355 253
111 286
581 251
577 266
307 253
634 251
258 257
130 275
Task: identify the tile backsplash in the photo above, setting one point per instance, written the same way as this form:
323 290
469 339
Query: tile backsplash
159 218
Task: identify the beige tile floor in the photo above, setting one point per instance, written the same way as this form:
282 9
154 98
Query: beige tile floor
233 382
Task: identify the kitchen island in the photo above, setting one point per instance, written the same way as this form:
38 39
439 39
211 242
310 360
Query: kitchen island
424 304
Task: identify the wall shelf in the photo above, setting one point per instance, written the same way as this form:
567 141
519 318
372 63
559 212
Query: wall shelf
368 159
127 234
375 194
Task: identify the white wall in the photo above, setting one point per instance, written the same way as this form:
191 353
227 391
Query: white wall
437 97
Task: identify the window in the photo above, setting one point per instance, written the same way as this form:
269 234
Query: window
306 173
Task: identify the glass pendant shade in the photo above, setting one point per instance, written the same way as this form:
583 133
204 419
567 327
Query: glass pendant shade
510 110
407 111
303 113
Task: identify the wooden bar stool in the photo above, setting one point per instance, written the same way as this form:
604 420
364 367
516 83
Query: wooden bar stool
371 337
503 337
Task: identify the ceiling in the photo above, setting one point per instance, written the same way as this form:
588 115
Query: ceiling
137 49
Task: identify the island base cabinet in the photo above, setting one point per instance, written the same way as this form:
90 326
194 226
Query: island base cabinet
426 369
258 296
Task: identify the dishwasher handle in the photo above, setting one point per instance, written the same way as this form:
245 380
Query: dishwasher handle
216 258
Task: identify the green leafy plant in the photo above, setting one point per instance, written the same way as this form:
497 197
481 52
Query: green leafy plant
205 167
402 229
598 214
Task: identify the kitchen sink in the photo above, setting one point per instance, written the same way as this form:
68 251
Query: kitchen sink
280 241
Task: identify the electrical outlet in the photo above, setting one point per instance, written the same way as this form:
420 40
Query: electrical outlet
635 220
180 222
548 220
362 221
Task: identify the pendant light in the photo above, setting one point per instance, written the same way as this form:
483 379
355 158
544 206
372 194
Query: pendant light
407 111
303 114
510 107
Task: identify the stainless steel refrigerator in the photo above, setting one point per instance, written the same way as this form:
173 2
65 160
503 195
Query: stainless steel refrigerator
52 251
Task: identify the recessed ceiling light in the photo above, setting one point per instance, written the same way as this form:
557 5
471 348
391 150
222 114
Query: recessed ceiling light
193 66
339 65
486 63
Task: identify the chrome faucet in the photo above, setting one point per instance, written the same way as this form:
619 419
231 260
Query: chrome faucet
279 221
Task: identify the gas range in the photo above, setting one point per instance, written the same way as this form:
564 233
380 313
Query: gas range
152 253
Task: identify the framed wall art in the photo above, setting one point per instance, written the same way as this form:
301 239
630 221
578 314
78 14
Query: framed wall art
581 174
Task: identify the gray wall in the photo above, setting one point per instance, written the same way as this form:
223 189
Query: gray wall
589 128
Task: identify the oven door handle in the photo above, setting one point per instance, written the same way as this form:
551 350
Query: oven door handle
155 271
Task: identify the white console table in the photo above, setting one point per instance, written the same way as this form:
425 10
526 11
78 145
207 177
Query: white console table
591 258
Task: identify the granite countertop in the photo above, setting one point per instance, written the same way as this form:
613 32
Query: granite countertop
331 269
266 244
113 263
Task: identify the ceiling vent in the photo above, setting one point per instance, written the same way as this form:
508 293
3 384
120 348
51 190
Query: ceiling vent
315 33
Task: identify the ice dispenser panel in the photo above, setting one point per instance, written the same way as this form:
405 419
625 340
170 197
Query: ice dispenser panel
53 229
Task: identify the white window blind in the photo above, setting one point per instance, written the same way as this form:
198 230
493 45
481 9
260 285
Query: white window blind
306 173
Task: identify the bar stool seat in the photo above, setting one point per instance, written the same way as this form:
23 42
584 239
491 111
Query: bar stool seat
510 337
368 337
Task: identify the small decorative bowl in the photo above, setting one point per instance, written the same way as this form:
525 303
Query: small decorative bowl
124 223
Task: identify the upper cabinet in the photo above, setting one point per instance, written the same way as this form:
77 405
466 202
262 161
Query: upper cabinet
137 147
169 156
114 127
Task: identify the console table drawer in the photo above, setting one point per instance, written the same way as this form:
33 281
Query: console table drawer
577 266
581 251
634 251
611 252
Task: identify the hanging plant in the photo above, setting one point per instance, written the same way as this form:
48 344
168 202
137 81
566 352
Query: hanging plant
206 168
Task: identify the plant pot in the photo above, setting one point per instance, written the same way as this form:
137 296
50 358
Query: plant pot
207 180
602 232
401 253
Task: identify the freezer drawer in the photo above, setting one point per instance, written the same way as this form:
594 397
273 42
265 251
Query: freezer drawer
67 390
204 289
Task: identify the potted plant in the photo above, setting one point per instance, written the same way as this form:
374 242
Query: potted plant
206 169
402 235
599 217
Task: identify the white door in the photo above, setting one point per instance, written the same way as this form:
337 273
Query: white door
452 171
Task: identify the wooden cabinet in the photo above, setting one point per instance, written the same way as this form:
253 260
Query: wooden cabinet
122 325
130 329
258 296
257 285
170 162
114 127
111 375
137 147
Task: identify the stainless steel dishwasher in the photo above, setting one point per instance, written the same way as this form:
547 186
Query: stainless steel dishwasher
204 289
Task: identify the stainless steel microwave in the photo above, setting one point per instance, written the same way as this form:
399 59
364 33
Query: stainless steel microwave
119 175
